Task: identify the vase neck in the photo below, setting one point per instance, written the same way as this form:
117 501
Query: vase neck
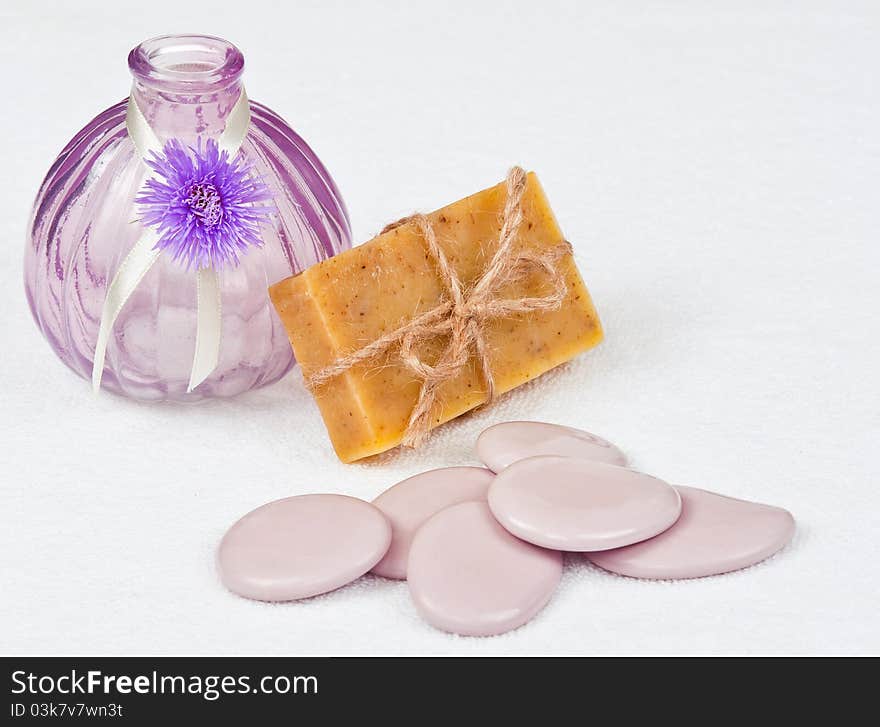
186 85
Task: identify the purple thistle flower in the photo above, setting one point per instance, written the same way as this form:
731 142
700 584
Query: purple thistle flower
206 206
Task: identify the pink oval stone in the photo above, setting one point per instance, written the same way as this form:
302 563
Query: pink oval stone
715 534
411 502
468 575
302 546
574 504
503 444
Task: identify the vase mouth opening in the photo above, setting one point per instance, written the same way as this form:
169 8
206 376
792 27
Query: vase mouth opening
186 63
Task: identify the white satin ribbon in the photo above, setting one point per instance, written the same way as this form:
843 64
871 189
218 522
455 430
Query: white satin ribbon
143 256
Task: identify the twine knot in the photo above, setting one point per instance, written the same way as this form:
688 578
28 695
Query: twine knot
462 314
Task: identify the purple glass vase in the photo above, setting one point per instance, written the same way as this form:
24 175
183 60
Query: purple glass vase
85 221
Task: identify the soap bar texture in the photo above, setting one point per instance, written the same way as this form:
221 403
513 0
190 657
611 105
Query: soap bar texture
348 301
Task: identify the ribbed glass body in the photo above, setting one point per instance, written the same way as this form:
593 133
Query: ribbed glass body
85 221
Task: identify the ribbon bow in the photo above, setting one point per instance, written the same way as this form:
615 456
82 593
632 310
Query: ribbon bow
144 255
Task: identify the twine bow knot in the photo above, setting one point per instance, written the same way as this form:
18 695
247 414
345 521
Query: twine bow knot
462 314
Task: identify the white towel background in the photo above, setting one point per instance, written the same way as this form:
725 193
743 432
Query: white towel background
717 170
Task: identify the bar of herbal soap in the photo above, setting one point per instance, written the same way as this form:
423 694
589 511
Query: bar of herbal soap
343 303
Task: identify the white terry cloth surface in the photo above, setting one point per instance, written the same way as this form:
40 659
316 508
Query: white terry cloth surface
717 172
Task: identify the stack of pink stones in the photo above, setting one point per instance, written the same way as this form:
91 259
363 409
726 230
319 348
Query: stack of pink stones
481 547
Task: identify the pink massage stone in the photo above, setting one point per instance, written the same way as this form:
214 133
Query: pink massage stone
574 504
715 534
468 575
503 444
302 546
409 503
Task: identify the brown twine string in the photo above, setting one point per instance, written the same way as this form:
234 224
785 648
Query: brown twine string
462 314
